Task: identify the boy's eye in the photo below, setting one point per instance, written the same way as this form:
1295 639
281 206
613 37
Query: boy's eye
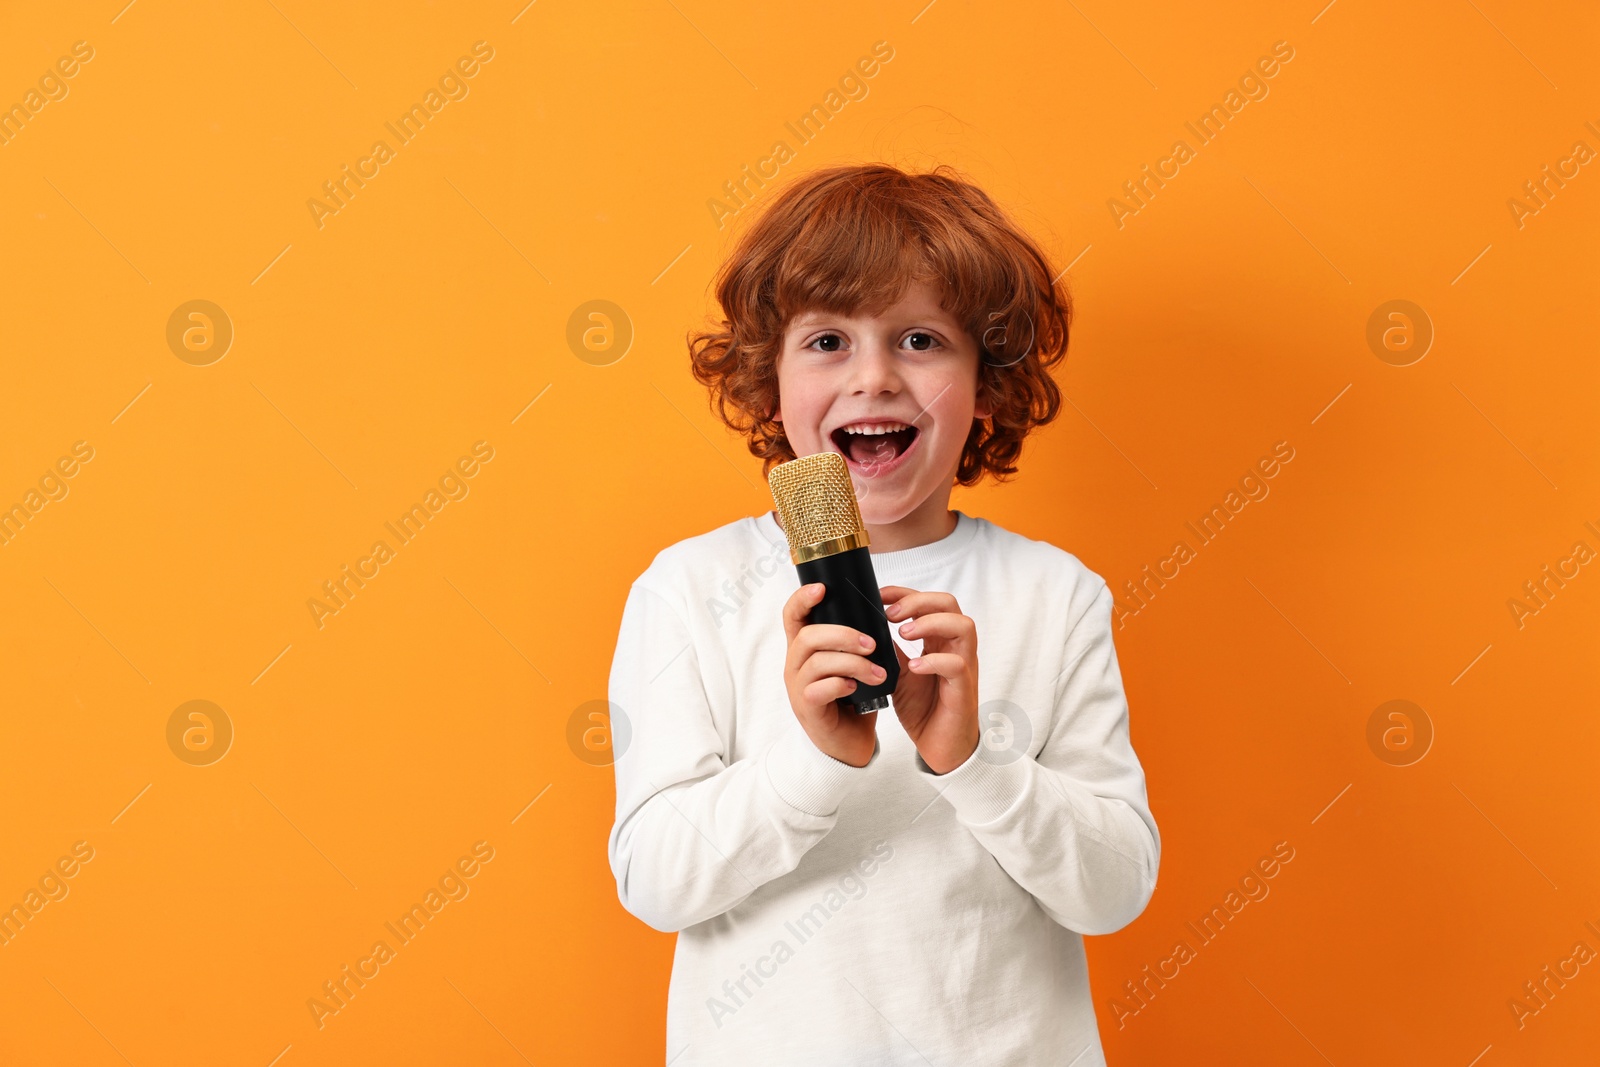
920 341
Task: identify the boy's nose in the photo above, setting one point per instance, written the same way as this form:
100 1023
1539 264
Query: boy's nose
874 369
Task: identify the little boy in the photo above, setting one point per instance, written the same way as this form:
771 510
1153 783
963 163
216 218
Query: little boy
905 888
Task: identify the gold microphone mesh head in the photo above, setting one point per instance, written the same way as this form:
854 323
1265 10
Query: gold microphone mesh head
816 504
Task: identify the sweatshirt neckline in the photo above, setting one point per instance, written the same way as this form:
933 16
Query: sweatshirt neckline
931 556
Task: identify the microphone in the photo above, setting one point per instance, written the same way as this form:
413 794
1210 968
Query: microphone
828 542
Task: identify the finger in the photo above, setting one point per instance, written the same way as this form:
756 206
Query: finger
942 625
952 668
908 679
798 606
916 603
828 637
827 690
839 664
892 593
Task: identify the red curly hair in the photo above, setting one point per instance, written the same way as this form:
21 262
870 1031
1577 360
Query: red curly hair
851 239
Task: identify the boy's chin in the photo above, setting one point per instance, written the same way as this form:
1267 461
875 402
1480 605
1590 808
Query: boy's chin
884 505
885 512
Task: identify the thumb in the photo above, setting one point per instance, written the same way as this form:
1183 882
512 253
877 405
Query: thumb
908 677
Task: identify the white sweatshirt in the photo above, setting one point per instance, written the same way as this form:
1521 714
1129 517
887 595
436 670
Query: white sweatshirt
829 914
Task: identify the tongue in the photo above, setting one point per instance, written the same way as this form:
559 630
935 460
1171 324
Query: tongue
874 449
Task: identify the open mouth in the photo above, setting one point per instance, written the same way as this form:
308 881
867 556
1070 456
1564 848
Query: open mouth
873 451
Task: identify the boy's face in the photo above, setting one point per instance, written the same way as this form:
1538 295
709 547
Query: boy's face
912 369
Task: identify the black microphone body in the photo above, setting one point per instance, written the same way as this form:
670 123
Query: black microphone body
828 540
850 598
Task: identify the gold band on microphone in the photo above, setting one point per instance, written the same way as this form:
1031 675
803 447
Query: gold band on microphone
831 547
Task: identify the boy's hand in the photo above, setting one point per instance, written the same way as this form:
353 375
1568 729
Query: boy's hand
823 664
936 697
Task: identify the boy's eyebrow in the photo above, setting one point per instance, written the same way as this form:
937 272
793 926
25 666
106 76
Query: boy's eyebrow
812 318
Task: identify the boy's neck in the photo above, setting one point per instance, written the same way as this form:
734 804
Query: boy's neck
929 522
923 526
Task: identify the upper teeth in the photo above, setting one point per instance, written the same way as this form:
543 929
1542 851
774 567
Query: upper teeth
876 427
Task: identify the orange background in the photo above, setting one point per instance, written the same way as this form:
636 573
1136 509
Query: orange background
428 713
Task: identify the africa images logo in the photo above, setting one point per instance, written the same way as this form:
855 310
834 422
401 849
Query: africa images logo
852 885
452 885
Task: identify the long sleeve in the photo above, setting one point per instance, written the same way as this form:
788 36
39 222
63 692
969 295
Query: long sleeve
695 835
1072 826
